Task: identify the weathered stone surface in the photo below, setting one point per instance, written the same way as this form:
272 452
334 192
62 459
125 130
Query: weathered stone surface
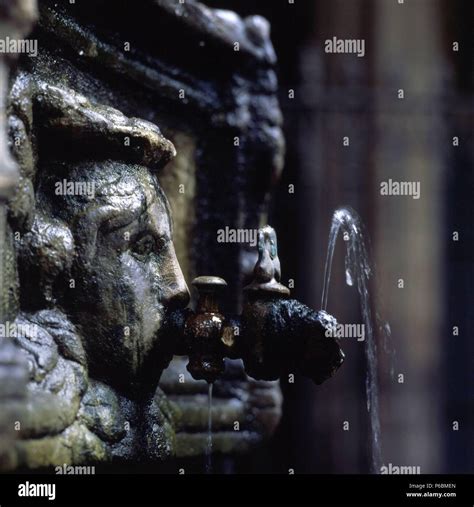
254 405
13 381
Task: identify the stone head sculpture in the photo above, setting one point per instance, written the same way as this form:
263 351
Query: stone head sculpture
107 254
100 247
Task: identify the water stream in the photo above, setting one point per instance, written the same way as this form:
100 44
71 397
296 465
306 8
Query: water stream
209 430
358 271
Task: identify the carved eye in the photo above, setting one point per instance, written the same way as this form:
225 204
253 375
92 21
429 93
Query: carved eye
145 245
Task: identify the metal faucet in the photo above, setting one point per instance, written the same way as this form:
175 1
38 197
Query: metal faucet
274 336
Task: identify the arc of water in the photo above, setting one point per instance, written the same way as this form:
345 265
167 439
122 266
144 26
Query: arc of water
358 270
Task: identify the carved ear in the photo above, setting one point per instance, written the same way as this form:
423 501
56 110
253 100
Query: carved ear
45 253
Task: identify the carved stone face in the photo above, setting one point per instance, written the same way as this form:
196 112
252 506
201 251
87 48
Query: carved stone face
125 276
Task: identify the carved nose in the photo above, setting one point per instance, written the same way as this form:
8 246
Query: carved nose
179 296
175 292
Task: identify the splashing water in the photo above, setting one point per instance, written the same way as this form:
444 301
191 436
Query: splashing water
358 271
209 430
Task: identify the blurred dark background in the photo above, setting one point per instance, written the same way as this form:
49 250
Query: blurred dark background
409 47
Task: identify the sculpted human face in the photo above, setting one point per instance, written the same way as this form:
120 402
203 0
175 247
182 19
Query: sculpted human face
126 273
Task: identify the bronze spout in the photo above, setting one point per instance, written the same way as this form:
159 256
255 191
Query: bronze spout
274 336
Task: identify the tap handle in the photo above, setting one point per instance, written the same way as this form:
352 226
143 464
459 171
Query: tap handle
209 289
204 329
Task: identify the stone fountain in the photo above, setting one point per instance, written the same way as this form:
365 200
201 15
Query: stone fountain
134 135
